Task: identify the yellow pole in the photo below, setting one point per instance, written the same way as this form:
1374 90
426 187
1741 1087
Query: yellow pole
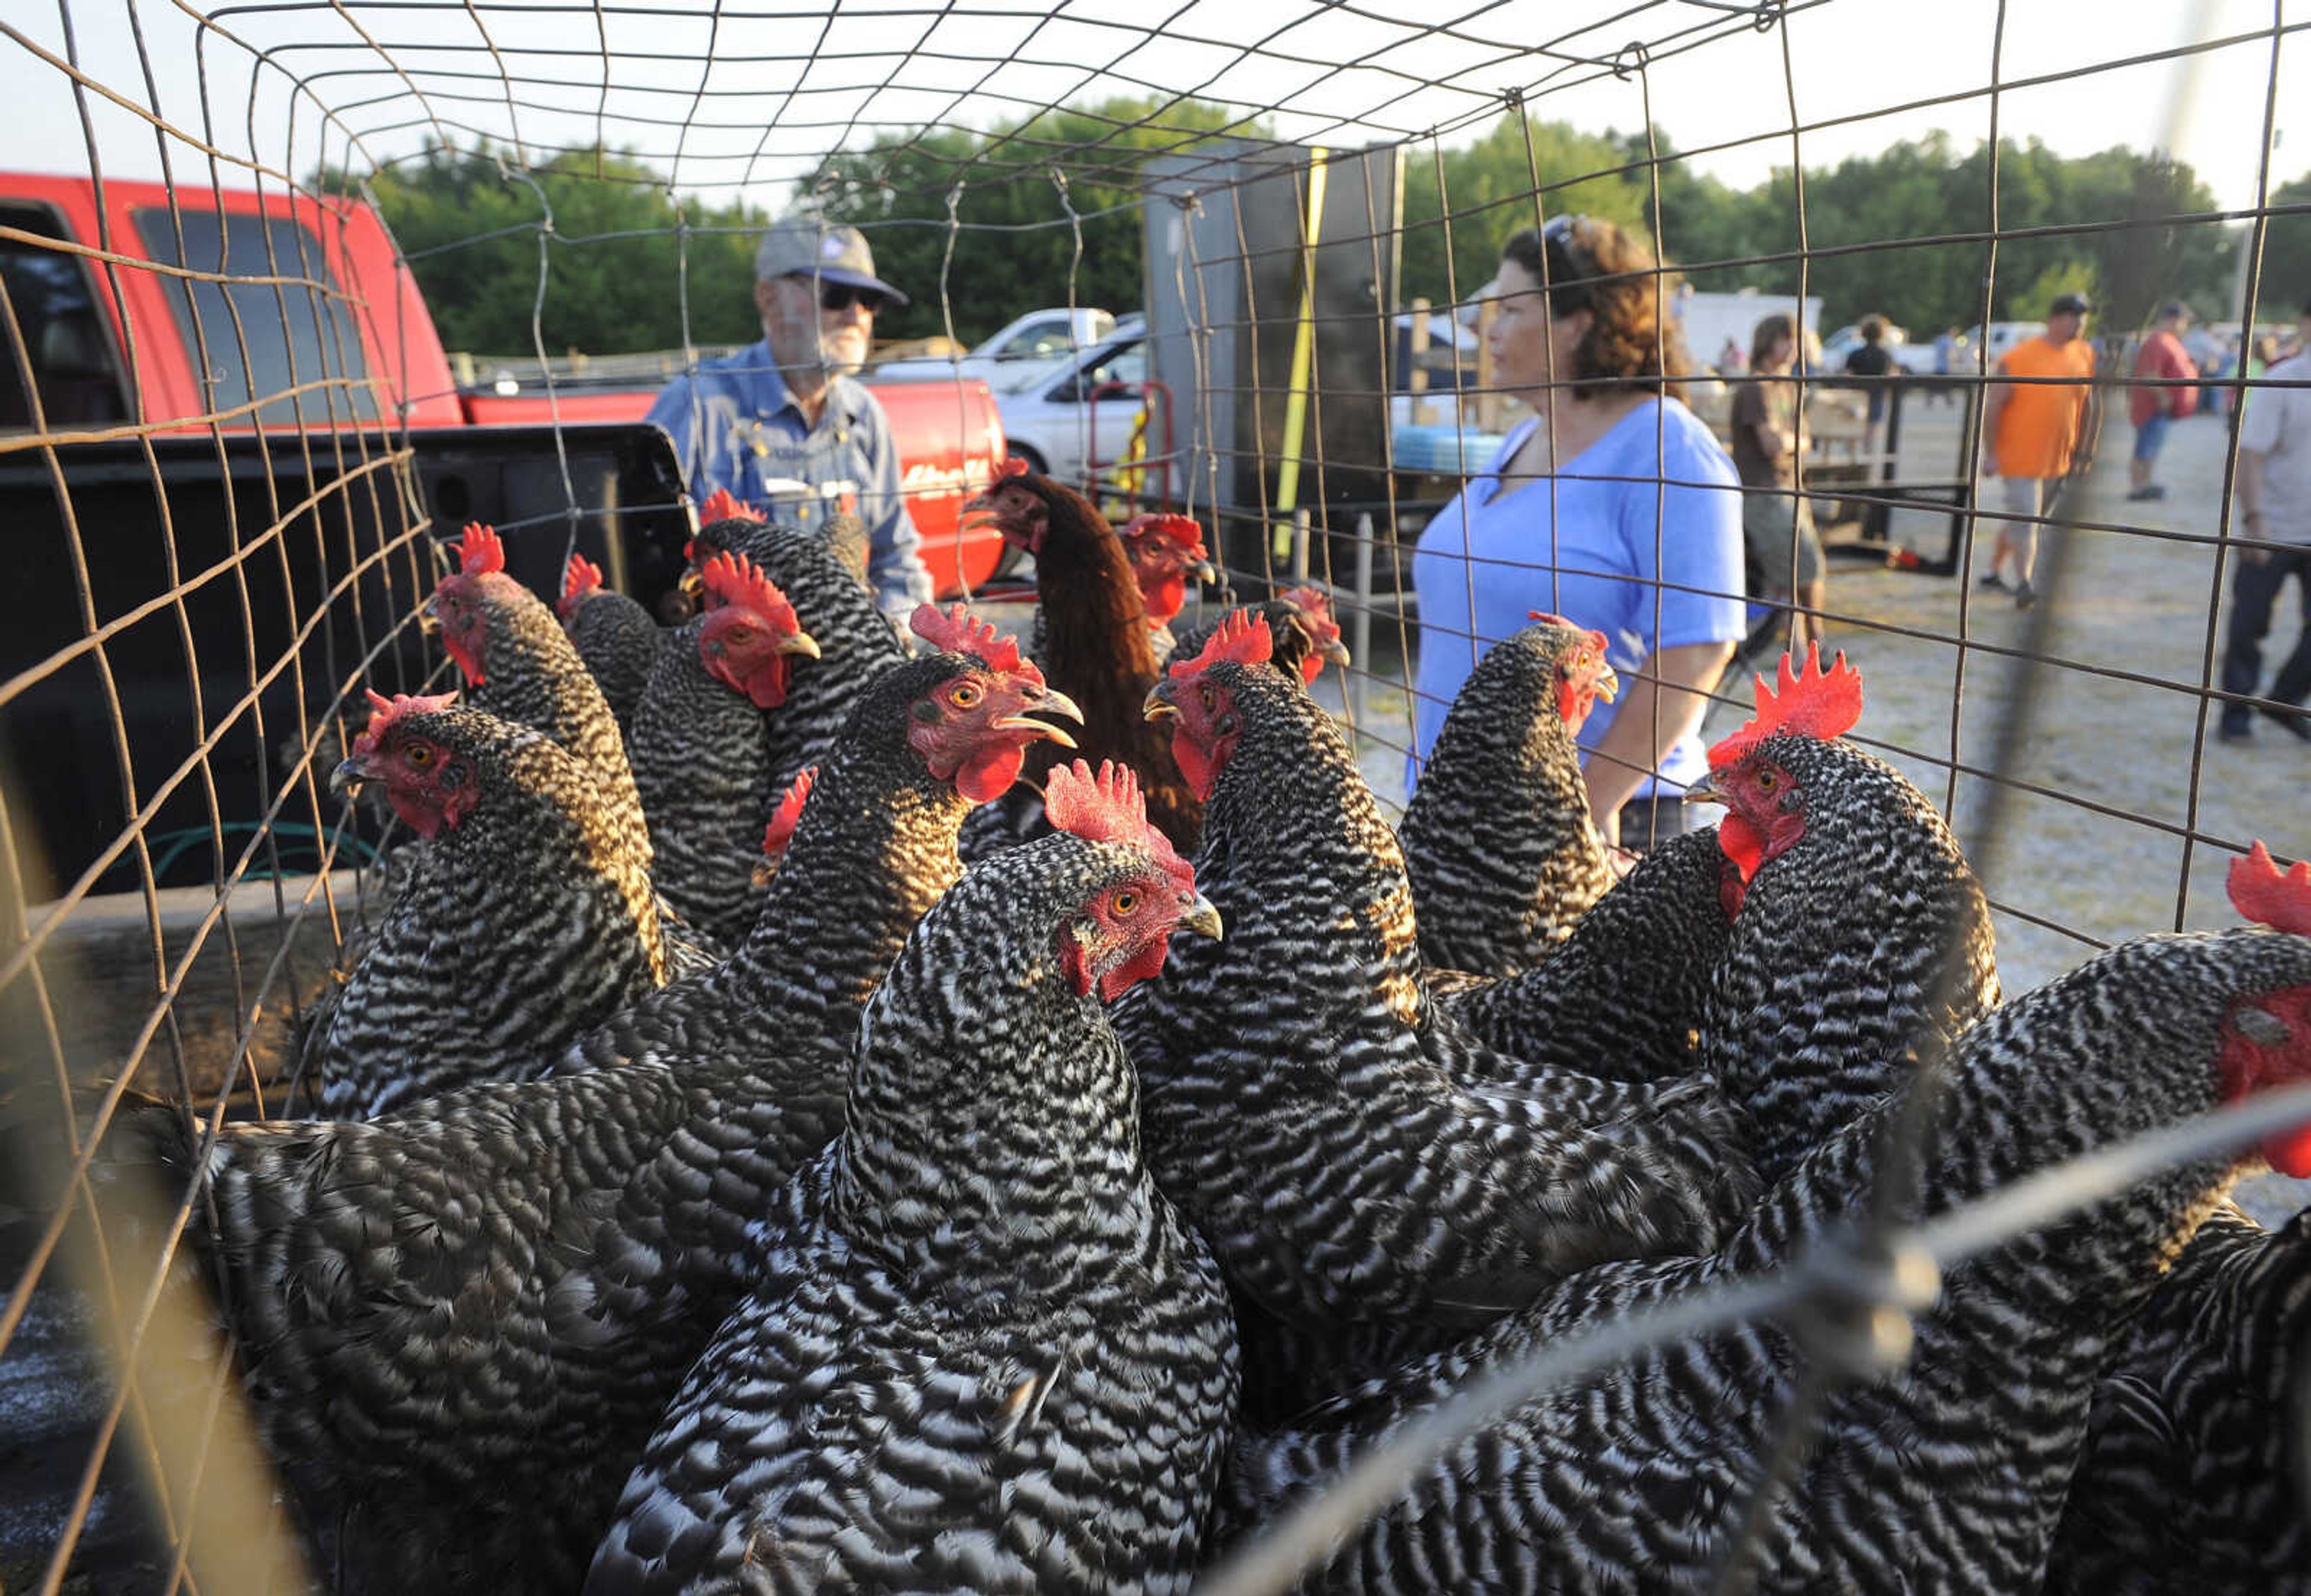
1304 349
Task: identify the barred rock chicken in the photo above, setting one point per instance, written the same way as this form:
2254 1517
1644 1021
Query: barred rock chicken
1497 838
1164 552
1849 937
1947 1475
1301 1098
700 746
614 635
525 922
1304 635
855 641
980 1351
1861 942
2193 1475
1092 645
520 666
459 1324
1623 995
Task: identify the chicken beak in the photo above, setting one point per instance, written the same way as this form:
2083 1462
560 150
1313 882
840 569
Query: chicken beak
1159 705
1202 918
429 619
802 644
1705 791
1042 729
1056 702
1608 685
1053 702
1336 652
693 581
1204 571
349 774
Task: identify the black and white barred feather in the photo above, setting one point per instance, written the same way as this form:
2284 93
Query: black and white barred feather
461 1323
1857 952
1314 1114
855 640
619 640
701 754
1945 1476
1497 839
532 676
516 931
1622 995
2196 1474
980 1351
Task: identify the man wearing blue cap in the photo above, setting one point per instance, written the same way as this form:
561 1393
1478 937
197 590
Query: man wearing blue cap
784 424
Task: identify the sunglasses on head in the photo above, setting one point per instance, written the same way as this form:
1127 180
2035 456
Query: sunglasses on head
842 296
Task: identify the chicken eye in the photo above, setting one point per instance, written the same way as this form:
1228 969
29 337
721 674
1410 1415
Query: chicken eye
966 695
739 634
420 755
1204 697
1124 903
1766 781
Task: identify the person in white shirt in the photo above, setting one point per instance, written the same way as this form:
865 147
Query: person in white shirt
2273 530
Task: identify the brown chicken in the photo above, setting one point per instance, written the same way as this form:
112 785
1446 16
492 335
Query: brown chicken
1094 644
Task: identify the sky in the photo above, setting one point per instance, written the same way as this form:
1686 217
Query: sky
743 97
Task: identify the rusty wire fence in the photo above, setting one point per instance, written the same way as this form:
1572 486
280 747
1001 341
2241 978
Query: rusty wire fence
229 438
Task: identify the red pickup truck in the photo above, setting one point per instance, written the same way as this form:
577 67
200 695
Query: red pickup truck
247 578
277 347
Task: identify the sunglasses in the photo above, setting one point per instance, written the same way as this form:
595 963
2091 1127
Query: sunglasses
842 296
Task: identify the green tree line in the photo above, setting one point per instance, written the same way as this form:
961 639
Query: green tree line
1049 213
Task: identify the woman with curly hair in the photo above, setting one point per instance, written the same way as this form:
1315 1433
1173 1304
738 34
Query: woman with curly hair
1613 507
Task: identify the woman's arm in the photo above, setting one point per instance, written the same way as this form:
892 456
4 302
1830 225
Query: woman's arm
1678 682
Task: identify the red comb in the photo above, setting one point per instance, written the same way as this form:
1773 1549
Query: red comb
721 505
1239 638
385 711
1183 531
1108 809
956 631
782 829
2262 892
479 552
1308 601
732 579
1012 467
1813 703
580 577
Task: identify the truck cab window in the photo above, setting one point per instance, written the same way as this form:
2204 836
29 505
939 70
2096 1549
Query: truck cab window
74 370
295 336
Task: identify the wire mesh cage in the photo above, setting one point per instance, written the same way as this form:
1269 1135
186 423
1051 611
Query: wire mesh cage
293 293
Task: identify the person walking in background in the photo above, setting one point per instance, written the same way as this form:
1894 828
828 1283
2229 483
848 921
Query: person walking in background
1873 361
1769 437
2274 536
2037 427
787 410
1613 507
1945 363
2153 407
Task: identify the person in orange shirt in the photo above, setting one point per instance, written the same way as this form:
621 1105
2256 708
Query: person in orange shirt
2035 433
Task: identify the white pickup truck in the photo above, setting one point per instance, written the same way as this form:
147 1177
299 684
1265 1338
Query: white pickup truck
1036 339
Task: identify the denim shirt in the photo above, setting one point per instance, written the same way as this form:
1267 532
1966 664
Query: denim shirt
734 426
1639 537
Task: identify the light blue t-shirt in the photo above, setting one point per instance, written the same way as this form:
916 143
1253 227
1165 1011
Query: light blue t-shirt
1639 537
